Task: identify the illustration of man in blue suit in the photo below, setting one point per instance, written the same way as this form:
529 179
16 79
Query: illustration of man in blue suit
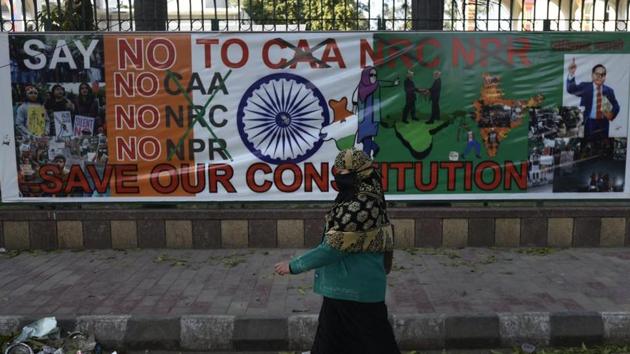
598 100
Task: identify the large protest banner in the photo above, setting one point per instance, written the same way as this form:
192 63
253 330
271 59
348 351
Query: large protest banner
261 116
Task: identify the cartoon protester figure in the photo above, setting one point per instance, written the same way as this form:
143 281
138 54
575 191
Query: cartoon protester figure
598 100
369 112
410 98
31 118
492 142
472 144
434 94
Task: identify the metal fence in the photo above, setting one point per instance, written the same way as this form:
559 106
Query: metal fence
304 15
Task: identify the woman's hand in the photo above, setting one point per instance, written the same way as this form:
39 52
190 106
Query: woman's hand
282 268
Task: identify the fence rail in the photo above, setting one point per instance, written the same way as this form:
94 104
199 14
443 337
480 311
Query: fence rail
301 15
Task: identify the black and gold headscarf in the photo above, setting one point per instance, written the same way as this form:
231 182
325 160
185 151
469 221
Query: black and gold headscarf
358 220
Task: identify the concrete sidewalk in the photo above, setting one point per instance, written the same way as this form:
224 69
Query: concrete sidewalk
206 300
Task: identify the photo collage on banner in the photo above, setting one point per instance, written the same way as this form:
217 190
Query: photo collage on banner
596 95
260 117
502 113
58 93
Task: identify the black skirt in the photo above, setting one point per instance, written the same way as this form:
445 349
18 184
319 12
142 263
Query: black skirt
349 327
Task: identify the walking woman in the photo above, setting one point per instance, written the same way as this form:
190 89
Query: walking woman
350 264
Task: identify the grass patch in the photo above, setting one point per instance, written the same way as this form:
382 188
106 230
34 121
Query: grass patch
537 251
232 260
451 254
174 262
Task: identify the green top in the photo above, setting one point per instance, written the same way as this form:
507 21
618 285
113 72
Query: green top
357 276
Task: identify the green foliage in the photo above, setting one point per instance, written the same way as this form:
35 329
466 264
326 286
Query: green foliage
4 340
316 15
72 15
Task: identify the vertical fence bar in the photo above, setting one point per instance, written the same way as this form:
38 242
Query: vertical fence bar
298 14
358 15
522 15
616 14
310 15
534 17
35 13
322 20
464 5
547 17
393 15
264 16
95 14
593 16
499 27
83 11
12 14
344 14
511 13
570 15
406 5
48 13
24 15
215 23
203 15
383 22
369 18
273 14
119 15
581 16
2 21
334 15
107 23
487 14
190 15
238 8
286 16
131 22
179 18
605 15
453 13
559 12
476 12
251 16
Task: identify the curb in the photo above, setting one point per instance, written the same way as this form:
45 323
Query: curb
413 332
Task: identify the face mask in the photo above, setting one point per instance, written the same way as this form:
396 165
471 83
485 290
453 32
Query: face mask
346 182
